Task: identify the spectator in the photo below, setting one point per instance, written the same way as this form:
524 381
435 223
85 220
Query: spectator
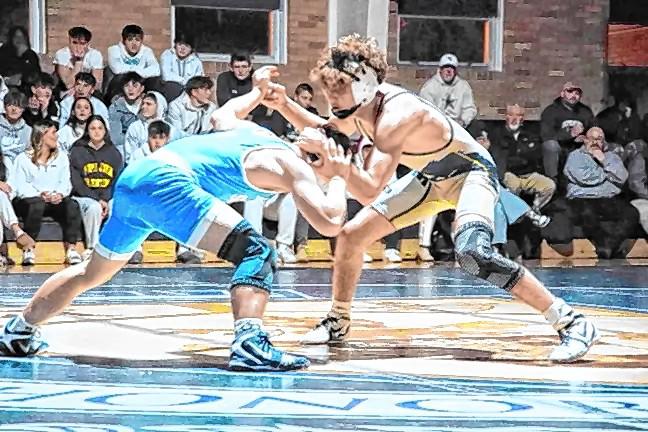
77 57
95 164
41 106
304 97
450 93
42 184
518 155
638 184
131 55
123 111
621 126
191 112
76 124
84 86
595 177
14 131
18 62
7 214
236 82
179 64
153 108
158 136
563 124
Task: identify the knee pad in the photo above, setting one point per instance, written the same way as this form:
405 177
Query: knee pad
254 259
477 257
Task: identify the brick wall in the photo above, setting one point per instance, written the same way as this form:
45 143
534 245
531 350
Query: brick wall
628 45
545 44
307 28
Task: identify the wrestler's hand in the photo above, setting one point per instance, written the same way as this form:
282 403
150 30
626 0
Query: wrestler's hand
313 143
335 162
262 77
275 98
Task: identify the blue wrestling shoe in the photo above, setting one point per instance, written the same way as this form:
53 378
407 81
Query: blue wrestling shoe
19 339
253 351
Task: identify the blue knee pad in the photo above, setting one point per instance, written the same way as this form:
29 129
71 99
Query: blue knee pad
476 256
253 257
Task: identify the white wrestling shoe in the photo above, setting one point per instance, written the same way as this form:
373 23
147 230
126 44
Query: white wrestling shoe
333 328
19 339
576 340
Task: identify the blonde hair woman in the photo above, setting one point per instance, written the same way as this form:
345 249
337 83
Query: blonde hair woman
42 182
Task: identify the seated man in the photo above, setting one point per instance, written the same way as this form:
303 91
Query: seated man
179 64
131 55
191 180
123 111
77 57
563 124
595 177
84 86
190 112
518 155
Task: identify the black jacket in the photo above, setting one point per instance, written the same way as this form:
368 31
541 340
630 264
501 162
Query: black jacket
93 172
518 156
557 120
53 110
26 65
617 127
228 87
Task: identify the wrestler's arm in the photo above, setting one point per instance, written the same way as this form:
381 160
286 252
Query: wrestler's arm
239 108
299 117
325 211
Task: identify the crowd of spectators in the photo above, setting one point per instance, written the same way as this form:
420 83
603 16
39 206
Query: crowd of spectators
65 137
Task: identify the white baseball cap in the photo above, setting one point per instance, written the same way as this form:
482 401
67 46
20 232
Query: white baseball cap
449 60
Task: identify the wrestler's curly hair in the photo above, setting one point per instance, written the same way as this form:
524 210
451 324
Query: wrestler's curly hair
354 48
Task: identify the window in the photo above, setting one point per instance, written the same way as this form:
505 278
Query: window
25 13
627 38
221 27
471 29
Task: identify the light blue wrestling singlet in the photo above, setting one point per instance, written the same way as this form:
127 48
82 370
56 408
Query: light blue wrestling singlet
173 191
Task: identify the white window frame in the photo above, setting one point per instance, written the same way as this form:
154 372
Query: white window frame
279 36
37 33
496 36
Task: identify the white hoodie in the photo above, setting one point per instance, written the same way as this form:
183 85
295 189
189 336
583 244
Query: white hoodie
144 62
14 138
30 179
180 71
455 99
65 109
137 133
68 135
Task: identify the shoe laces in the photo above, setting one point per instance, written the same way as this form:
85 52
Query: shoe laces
263 341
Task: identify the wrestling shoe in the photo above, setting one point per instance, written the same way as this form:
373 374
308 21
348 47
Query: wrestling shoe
253 351
333 328
576 338
19 339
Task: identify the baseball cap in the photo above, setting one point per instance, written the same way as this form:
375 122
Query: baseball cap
571 86
449 60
